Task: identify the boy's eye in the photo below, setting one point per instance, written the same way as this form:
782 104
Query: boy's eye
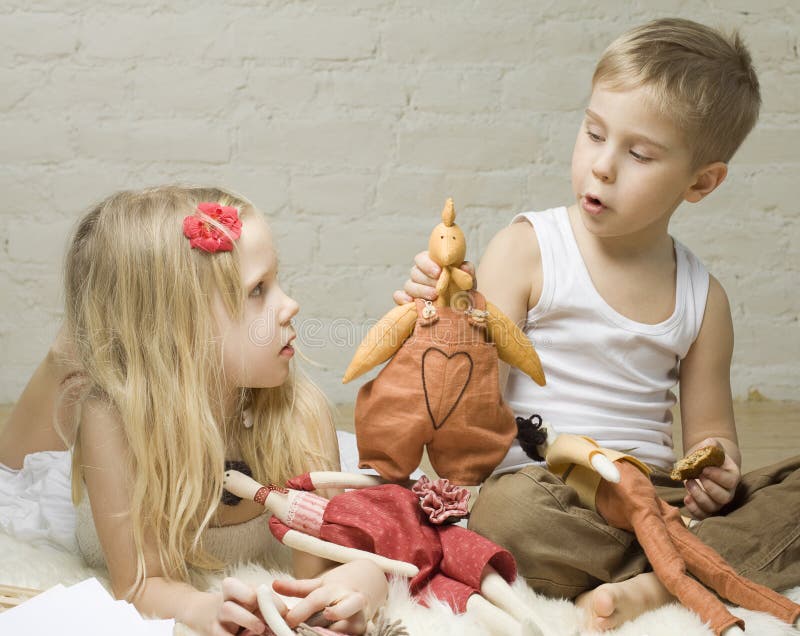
594 136
640 157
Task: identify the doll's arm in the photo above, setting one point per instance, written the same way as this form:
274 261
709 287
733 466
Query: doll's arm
341 554
513 346
340 480
442 284
574 449
382 340
462 280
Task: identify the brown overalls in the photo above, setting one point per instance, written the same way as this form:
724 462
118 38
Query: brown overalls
440 390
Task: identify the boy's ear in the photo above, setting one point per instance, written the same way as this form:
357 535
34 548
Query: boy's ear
706 181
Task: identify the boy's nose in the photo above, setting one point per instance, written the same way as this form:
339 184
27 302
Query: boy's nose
603 169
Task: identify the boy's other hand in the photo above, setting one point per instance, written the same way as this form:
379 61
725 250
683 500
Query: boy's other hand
714 488
423 277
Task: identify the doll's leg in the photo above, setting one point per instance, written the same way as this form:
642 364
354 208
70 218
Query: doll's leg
499 593
269 611
670 568
390 423
716 573
495 620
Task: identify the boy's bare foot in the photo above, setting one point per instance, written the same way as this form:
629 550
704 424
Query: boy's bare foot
613 604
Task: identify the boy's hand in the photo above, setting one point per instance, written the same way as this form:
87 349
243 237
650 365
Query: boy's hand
714 488
422 281
346 596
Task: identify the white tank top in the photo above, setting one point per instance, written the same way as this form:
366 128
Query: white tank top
608 377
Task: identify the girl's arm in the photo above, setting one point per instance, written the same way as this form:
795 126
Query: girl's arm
707 408
103 458
347 595
30 426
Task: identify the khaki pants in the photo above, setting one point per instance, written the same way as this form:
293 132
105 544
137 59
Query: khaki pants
563 549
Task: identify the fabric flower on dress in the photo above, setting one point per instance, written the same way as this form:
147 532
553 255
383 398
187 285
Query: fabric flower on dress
210 238
442 501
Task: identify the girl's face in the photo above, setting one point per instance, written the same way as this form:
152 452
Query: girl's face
257 348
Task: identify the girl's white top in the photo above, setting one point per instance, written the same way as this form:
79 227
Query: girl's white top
36 506
608 377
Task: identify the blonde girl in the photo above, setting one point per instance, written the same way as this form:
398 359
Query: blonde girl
180 342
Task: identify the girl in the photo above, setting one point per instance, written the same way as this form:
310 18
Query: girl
182 342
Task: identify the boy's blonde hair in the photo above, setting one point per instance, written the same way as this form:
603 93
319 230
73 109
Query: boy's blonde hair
700 78
138 307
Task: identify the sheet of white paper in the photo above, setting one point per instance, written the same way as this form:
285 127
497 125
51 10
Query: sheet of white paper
84 609
18 618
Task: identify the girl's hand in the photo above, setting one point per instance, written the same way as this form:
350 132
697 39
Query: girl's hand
714 488
422 280
239 609
347 596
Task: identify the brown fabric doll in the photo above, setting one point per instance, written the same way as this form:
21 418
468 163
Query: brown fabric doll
631 504
440 389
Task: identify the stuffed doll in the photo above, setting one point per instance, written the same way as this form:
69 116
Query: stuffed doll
631 503
441 387
387 524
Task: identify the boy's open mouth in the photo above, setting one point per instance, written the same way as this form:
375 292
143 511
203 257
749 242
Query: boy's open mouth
592 204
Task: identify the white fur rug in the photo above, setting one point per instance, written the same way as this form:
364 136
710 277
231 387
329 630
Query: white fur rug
44 565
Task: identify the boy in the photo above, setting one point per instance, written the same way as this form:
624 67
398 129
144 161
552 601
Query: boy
620 312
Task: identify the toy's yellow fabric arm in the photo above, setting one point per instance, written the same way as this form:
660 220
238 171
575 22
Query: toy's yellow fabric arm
382 340
513 346
570 457
462 280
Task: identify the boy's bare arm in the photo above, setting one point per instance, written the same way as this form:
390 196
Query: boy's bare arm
510 275
706 405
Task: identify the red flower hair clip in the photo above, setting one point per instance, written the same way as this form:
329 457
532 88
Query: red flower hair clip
207 237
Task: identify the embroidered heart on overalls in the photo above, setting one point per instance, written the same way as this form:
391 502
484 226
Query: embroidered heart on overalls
444 380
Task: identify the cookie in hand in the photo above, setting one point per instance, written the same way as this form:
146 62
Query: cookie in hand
693 464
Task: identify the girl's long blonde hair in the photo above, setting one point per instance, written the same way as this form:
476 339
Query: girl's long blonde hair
138 308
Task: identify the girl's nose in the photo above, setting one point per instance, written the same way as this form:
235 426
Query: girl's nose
289 310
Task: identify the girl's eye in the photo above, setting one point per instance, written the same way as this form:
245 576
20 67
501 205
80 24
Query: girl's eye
257 291
640 157
593 136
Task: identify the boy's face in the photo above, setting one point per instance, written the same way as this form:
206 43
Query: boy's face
630 167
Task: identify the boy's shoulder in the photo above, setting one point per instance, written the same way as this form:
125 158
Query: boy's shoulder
517 241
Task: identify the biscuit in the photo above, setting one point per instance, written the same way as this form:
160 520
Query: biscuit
693 464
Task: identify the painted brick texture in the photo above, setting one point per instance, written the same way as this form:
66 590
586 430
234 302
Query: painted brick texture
349 123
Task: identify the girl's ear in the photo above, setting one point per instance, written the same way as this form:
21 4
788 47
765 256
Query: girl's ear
706 181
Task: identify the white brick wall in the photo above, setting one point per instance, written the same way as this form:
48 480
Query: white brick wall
349 122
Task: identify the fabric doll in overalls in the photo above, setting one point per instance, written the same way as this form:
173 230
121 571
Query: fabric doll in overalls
441 388
629 501
392 526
